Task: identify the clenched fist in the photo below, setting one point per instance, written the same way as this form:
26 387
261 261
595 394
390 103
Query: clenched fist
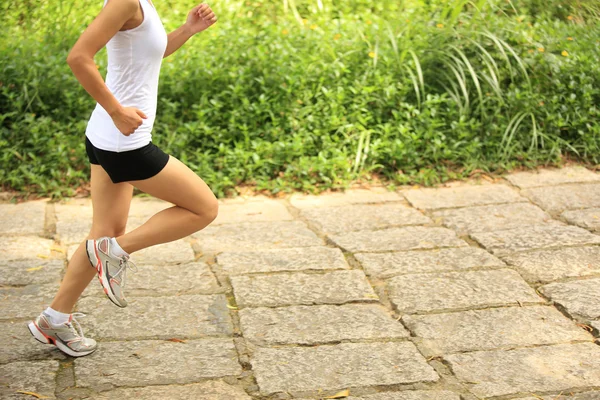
200 18
128 119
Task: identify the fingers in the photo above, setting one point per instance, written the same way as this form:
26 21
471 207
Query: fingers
205 12
141 114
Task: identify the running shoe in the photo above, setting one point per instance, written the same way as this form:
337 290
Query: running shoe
111 269
64 336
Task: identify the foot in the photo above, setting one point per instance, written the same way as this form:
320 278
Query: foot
111 269
64 336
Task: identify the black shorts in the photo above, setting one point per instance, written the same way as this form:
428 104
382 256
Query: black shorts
131 165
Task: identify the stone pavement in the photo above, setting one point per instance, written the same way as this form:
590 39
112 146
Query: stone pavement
476 290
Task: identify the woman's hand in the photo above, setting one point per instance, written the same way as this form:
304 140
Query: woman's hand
128 119
200 18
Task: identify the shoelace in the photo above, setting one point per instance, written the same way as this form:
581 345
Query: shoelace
79 331
124 263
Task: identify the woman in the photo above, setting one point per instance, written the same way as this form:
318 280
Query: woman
122 156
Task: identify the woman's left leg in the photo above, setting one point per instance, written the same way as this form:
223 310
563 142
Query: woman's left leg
195 207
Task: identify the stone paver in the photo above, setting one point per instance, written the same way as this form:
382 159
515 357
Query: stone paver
363 217
35 376
410 395
176 252
352 196
17 344
557 199
73 220
398 239
565 396
252 211
144 208
386 265
458 290
550 265
31 271
538 369
156 362
281 260
596 325
549 177
319 324
187 316
163 280
588 218
462 196
492 329
25 302
23 219
534 237
25 247
339 366
337 287
256 235
209 390
494 217
580 298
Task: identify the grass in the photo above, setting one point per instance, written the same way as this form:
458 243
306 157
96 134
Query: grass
310 95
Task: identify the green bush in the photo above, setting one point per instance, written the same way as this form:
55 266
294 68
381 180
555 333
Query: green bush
286 95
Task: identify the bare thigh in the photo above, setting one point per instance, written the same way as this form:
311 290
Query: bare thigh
178 184
111 202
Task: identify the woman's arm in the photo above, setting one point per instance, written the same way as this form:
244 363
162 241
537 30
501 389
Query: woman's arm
198 19
81 60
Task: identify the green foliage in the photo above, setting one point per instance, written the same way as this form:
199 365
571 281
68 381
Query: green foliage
288 95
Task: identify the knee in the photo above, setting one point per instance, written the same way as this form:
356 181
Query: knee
208 213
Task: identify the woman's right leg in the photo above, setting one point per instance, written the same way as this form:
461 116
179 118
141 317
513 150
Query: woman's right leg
110 203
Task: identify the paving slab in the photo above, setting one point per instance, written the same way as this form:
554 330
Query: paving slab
565 396
538 369
580 298
176 252
252 211
588 218
29 376
145 207
556 199
534 237
492 329
410 395
73 220
156 362
458 290
27 301
180 317
25 247
282 260
462 196
339 366
23 219
595 325
31 271
352 196
387 265
549 177
343 219
494 217
398 239
337 287
17 344
551 265
311 325
256 235
165 280
209 390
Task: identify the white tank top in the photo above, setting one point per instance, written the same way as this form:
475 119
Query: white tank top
134 60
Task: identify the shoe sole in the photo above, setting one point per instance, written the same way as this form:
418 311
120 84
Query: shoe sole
40 337
91 252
